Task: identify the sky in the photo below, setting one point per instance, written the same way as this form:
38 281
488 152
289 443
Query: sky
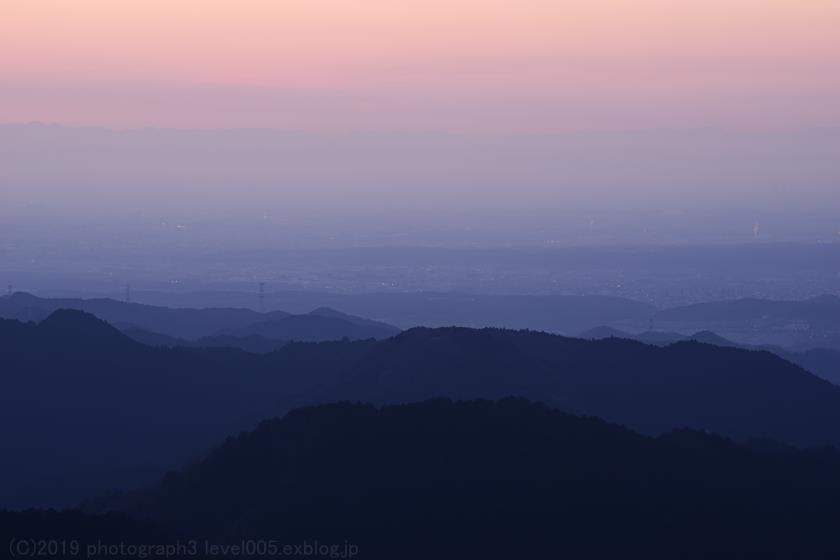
388 115
465 66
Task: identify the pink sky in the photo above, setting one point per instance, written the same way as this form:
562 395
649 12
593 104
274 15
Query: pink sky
445 65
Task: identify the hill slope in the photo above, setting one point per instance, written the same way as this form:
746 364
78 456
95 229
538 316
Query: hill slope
500 480
822 362
731 391
77 397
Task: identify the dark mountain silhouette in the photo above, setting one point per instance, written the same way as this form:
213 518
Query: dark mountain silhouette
191 324
253 343
731 391
315 327
509 479
822 362
77 396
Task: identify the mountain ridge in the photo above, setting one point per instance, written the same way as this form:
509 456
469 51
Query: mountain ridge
823 362
495 478
195 323
200 395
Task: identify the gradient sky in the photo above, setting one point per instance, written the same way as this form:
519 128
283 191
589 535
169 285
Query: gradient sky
474 114
442 65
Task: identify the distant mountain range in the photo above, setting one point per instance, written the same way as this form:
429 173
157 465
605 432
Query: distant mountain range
79 398
191 324
551 313
509 479
320 325
796 325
